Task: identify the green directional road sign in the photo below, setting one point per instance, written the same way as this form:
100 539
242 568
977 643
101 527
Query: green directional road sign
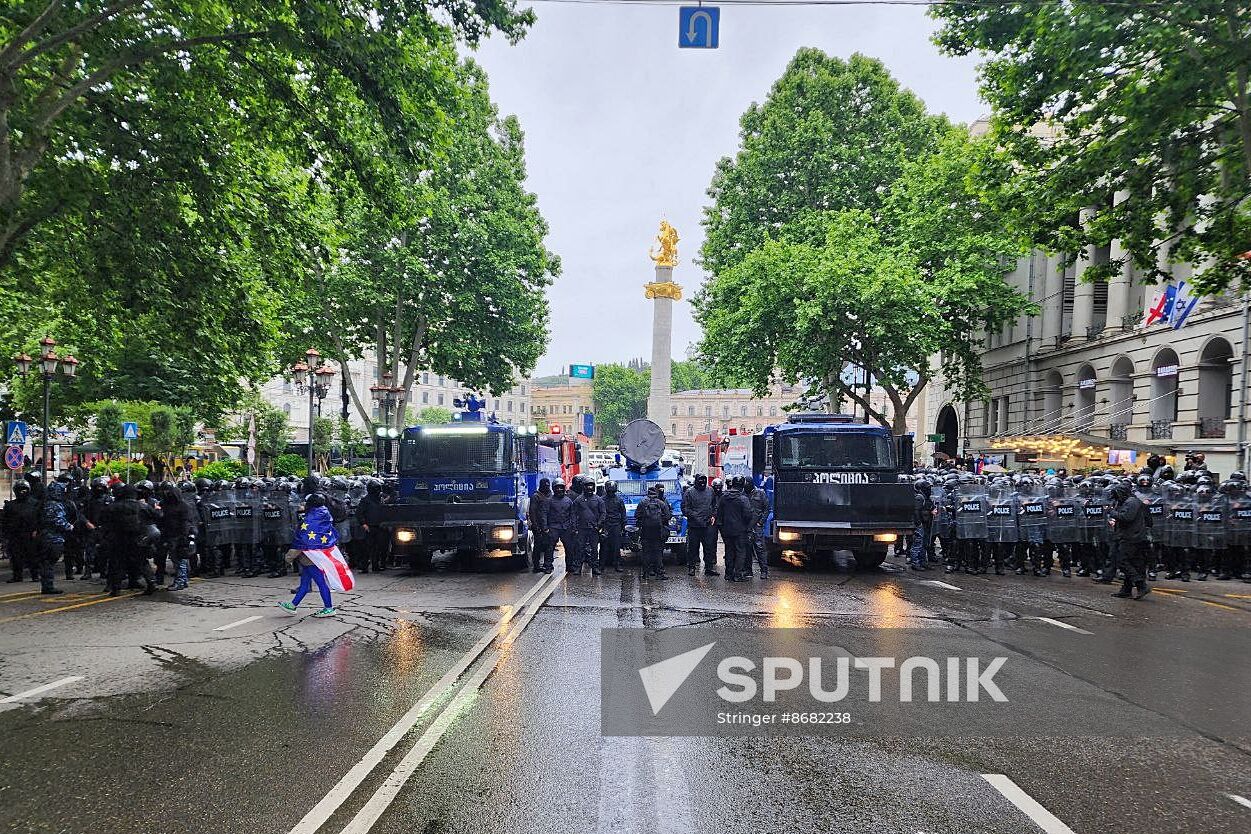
936 438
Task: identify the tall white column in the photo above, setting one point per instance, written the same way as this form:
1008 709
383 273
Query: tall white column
1083 292
1119 287
1051 299
663 292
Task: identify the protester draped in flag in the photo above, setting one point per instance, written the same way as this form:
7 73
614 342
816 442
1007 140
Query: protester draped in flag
315 548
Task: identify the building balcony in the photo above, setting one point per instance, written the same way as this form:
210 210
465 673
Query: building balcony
1118 431
1211 427
1160 430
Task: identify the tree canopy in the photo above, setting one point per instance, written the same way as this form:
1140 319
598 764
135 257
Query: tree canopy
1139 110
908 267
180 183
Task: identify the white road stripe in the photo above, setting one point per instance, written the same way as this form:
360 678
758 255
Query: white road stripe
351 780
1043 818
365 819
941 584
39 690
1060 624
1241 800
244 621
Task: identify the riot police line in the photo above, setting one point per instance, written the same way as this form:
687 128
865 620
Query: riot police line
1194 526
135 536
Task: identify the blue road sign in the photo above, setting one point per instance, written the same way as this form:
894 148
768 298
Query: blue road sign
698 27
130 431
588 424
582 371
15 433
13 457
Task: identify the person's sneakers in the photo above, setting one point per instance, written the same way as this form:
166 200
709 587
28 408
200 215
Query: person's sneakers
326 612
1142 592
286 606
1121 594
1066 573
1203 577
1185 577
179 585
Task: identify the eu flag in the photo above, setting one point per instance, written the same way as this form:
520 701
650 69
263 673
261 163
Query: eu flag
315 531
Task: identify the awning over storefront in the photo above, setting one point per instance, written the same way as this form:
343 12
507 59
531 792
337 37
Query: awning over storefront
1076 444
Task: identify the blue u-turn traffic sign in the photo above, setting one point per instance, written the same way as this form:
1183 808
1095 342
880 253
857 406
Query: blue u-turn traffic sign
698 27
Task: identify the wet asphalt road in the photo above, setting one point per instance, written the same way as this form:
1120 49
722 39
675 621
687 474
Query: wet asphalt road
1140 725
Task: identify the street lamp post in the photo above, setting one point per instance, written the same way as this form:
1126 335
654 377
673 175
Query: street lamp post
386 395
313 377
49 362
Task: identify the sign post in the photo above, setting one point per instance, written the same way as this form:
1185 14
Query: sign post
130 431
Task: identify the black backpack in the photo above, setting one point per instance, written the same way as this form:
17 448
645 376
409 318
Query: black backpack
649 514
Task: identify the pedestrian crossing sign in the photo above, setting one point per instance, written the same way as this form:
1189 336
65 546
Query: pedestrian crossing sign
15 433
130 431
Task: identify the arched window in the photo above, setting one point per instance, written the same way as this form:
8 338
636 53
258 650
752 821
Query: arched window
1084 416
1121 397
1164 390
1216 387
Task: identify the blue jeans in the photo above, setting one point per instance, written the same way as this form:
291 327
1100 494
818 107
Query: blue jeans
308 575
922 541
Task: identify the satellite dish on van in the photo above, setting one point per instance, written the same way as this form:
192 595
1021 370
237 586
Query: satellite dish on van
642 442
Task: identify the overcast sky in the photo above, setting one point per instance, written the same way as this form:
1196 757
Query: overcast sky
624 128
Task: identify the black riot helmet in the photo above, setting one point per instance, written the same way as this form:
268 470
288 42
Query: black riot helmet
558 489
374 487
1238 476
1203 493
701 481
21 489
186 486
1165 473
545 486
1144 482
610 488
145 488
203 484
309 485
588 487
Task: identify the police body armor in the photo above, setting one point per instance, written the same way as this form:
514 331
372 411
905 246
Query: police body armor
1210 532
275 520
216 510
1094 519
247 517
1001 518
342 528
1031 519
972 506
355 495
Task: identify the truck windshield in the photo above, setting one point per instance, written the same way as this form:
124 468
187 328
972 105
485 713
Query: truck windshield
436 453
837 450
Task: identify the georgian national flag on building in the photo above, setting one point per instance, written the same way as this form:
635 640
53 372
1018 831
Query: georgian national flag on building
316 537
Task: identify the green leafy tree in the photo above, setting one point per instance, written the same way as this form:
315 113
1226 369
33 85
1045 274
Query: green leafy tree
169 434
832 135
323 440
287 465
924 277
619 395
1145 102
432 414
108 429
273 432
689 375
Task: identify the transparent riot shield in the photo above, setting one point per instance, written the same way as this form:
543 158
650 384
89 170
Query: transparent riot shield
1064 515
1001 516
972 505
1031 517
1094 517
1210 521
1180 507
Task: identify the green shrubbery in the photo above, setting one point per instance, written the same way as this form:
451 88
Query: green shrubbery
290 465
118 467
223 470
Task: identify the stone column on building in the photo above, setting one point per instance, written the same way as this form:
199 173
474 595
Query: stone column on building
1119 287
662 292
1083 291
1051 299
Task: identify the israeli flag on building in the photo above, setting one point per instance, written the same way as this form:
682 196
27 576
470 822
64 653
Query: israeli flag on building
1182 306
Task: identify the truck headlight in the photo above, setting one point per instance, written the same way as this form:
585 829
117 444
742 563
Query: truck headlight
789 535
503 534
405 536
887 538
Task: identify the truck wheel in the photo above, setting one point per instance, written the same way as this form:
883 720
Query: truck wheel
419 560
870 560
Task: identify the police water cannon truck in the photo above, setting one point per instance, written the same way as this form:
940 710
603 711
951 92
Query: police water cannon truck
642 449
832 484
464 489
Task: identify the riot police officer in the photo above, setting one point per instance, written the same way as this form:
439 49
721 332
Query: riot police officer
972 506
652 516
21 522
176 528
376 539
614 527
562 525
1001 529
588 513
699 506
1128 522
1032 529
755 537
537 514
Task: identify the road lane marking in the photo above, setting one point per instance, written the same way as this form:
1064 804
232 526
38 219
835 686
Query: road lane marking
1169 590
1241 800
1060 624
1239 596
39 690
1220 605
941 584
377 805
1043 818
244 621
351 780
67 607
